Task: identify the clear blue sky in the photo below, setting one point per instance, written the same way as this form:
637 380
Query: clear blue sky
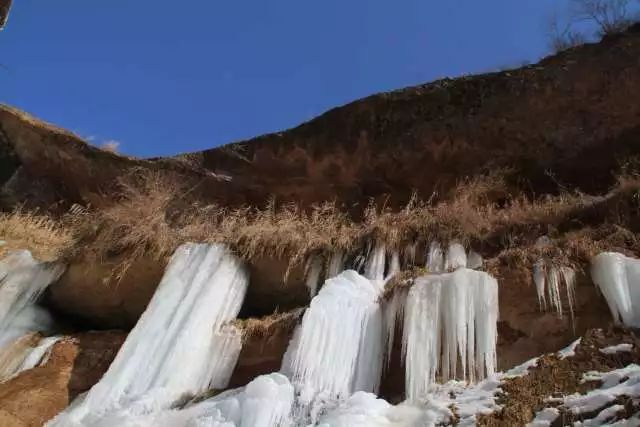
162 80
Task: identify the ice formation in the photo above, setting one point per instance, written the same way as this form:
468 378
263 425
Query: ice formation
618 278
337 349
450 320
314 270
375 265
456 257
179 346
549 280
435 258
336 264
22 281
474 260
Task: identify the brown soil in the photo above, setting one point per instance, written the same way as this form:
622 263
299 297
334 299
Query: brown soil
523 397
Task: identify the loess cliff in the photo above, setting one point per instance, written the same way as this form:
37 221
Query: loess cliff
534 171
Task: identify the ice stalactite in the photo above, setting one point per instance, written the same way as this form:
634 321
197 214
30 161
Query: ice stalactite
394 265
435 258
336 264
450 320
375 264
474 260
393 312
313 272
456 257
24 353
337 349
179 346
618 278
409 254
22 281
549 279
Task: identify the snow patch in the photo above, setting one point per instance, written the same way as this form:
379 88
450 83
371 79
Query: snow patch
620 348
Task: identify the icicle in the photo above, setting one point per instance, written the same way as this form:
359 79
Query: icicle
313 270
450 319
374 267
393 312
409 255
394 265
539 278
22 281
435 258
618 278
549 279
474 260
338 347
178 346
456 257
553 288
336 264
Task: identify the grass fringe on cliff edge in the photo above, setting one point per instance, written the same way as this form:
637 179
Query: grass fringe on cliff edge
154 214
46 238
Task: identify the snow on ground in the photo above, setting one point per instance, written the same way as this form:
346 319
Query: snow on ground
620 348
624 382
545 417
570 350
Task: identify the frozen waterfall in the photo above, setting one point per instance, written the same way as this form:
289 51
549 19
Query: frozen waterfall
337 349
449 328
618 278
22 281
180 346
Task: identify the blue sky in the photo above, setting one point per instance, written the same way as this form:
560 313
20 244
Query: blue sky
162 81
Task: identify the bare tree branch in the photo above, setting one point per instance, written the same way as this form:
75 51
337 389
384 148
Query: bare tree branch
5 5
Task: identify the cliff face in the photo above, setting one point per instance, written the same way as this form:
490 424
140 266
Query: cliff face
570 119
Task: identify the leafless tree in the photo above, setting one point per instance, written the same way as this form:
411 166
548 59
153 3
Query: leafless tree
562 36
611 16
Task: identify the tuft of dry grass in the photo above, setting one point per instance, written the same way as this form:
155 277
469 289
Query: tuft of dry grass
269 325
47 239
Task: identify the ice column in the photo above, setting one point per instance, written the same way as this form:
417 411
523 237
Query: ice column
179 346
549 280
450 321
618 278
22 281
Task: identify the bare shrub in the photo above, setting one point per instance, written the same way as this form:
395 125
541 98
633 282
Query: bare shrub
563 36
47 239
611 16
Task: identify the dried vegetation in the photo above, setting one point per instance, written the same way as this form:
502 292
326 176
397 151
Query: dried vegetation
154 213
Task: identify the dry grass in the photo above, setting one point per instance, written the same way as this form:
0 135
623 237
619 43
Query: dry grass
47 239
269 325
154 213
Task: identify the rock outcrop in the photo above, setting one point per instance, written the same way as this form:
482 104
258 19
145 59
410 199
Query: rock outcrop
76 363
